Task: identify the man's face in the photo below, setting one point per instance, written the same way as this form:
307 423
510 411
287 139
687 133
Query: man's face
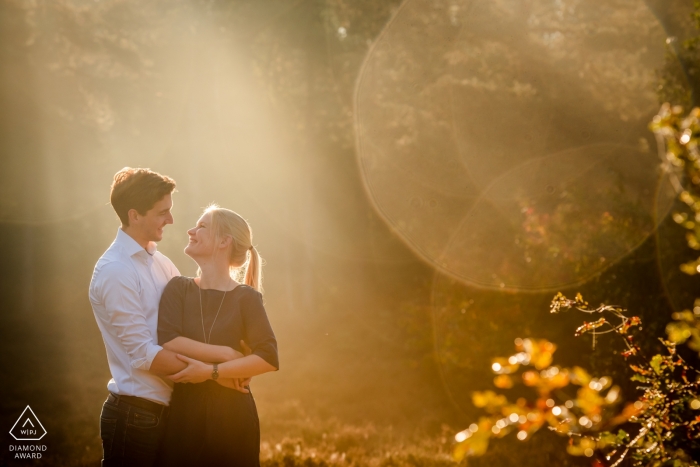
151 225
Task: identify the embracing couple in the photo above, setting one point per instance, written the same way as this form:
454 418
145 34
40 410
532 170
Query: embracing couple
208 335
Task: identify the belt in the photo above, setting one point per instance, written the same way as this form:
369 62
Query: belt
139 402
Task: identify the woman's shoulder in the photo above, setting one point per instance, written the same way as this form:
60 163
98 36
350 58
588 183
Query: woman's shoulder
182 279
246 292
174 292
245 289
179 282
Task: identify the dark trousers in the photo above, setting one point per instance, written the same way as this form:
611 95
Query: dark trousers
131 429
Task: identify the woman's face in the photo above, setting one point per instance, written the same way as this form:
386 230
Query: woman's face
201 238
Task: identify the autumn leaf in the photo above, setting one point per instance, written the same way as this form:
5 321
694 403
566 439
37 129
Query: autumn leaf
585 327
580 376
489 400
503 382
540 351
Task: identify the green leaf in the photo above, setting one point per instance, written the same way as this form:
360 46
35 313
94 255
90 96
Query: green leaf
640 378
656 362
622 436
678 332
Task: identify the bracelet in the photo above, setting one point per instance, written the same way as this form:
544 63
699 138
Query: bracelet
215 372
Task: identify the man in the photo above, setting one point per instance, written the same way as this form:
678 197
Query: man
125 292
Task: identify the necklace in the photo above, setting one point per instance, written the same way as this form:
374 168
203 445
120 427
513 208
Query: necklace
201 312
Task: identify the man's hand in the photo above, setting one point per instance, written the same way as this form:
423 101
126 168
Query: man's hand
195 372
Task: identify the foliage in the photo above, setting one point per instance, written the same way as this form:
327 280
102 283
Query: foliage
666 416
567 400
680 136
677 80
667 423
293 452
663 424
295 437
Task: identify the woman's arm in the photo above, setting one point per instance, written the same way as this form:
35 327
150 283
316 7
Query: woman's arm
262 342
201 351
197 372
245 367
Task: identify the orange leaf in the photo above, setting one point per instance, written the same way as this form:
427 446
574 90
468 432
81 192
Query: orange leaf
503 382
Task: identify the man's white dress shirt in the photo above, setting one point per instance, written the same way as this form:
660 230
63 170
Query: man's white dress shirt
125 292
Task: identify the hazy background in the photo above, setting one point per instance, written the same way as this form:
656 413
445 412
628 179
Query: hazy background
420 177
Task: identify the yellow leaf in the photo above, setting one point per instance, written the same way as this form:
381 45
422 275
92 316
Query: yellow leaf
488 400
540 351
559 380
503 382
629 411
531 378
579 446
580 376
502 366
475 445
589 401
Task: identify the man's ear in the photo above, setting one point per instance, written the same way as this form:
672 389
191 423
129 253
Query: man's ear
133 216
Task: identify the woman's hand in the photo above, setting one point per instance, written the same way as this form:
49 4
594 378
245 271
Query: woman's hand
230 354
238 384
234 383
245 382
195 372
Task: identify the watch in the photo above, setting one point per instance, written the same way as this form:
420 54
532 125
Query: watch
215 372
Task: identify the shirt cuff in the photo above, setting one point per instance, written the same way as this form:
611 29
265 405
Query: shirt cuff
145 363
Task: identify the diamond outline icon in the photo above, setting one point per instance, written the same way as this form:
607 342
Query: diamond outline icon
35 418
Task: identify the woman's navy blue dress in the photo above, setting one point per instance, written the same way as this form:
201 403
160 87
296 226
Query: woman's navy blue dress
208 423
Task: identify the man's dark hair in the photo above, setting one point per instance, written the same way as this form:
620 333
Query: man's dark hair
138 189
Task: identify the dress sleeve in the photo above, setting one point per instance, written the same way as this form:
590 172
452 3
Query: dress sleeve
170 310
258 332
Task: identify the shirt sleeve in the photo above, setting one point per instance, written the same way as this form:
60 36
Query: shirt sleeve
171 310
258 332
120 296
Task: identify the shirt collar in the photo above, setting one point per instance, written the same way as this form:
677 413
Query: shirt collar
131 246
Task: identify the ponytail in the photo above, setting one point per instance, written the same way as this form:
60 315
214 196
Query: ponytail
253 271
227 223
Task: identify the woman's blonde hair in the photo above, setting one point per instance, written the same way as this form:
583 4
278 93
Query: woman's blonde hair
226 223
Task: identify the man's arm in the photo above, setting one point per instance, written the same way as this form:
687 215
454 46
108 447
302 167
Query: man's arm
170 311
124 314
166 363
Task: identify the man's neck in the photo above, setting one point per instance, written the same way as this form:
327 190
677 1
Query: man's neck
133 234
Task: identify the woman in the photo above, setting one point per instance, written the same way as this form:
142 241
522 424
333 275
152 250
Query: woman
213 419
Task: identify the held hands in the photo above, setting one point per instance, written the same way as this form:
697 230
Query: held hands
195 372
198 372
